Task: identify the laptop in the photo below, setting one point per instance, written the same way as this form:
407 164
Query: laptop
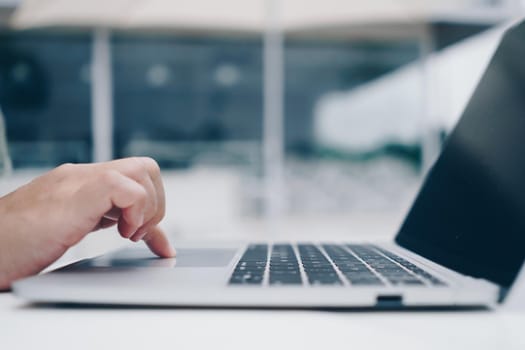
461 245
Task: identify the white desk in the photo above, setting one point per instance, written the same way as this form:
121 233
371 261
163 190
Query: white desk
23 327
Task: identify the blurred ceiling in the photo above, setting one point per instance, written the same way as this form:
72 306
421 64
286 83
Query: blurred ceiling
249 16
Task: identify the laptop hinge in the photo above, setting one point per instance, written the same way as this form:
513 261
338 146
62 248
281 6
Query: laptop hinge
503 291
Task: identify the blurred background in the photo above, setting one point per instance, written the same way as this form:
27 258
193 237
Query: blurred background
257 110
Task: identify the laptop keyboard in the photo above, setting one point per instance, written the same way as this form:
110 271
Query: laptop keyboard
327 264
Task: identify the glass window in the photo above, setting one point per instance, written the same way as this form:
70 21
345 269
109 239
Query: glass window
340 154
188 101
45 97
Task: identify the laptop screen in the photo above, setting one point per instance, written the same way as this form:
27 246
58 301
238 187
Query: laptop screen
470 213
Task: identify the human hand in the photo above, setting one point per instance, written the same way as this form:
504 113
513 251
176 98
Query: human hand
44 218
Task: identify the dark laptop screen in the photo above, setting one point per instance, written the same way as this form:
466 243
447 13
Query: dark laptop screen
470 212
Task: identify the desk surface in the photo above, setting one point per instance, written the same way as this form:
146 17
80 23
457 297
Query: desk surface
26 327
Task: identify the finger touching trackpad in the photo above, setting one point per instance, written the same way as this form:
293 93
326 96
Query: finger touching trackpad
136 258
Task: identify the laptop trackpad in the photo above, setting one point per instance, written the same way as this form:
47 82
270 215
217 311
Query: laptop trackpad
186 257
204 257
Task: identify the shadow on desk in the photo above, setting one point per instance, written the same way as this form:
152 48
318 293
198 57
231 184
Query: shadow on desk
382 309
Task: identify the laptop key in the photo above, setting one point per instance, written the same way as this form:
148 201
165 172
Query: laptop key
284 266
322 281
252 265
354 270
317 267
366 282
413 268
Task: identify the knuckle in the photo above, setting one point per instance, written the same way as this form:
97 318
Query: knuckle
154 205
142 194
161 212
151 165
159 215
137 167
65 168
156 216
108 177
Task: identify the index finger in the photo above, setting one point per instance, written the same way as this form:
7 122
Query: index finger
158 243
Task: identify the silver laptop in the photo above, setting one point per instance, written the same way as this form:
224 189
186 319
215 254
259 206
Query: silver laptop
461 245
